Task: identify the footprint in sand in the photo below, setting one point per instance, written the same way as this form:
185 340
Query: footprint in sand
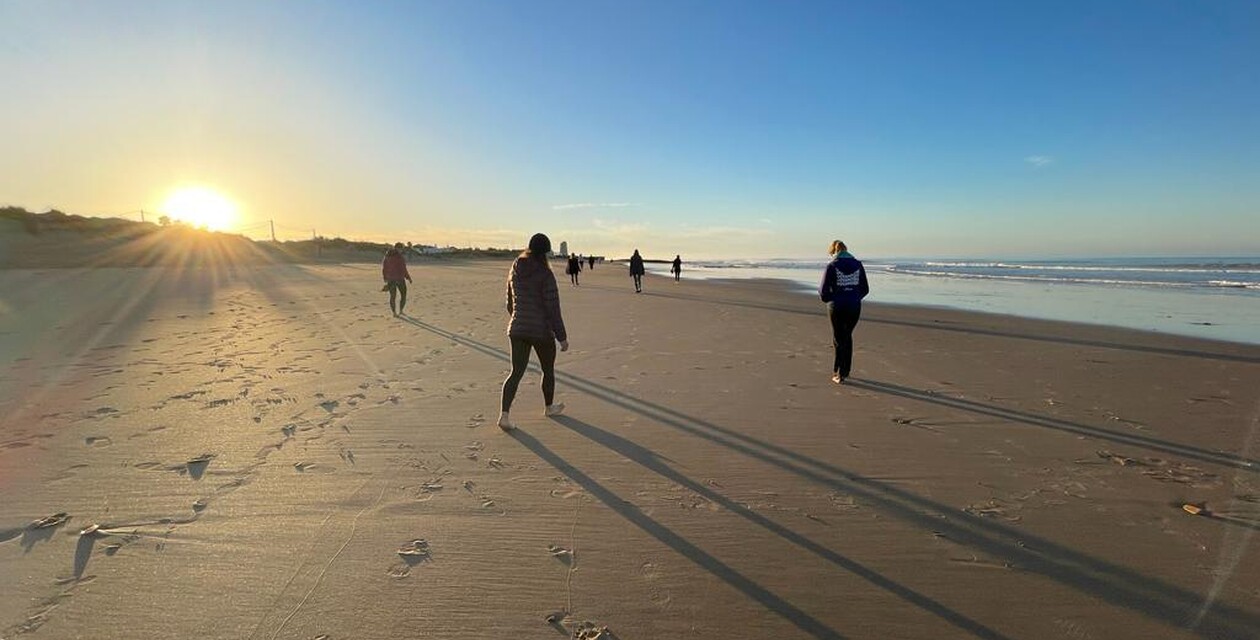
97 441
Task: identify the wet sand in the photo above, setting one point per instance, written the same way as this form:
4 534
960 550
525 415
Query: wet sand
265 453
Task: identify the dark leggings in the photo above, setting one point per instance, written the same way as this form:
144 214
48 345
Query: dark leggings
638 282
573 277
844 317
546 350
397 287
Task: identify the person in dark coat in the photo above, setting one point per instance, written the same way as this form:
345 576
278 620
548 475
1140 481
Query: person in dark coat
394 272
575 267
533 301
637 271
591 259
676 269
843 287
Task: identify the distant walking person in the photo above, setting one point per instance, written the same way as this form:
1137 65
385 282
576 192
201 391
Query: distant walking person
677 268
592 260
575 267
637 271
843 287
533 300
394 272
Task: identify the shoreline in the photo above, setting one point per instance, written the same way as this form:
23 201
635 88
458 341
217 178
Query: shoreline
803 288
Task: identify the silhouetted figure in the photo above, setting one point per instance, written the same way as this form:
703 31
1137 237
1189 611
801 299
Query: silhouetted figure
592 261
843 287
677 268
533 300
575 266
394 272
637 271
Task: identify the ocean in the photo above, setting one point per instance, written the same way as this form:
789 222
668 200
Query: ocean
1216 298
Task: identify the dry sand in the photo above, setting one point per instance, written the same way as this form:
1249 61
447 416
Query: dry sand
268 454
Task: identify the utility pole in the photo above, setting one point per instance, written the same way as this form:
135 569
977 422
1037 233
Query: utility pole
273 230
142 215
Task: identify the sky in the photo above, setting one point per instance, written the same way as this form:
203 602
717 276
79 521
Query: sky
711 129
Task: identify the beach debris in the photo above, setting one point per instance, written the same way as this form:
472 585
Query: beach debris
1123 461
495 462
992 509
55 520
91 529
591 631
1195 509
303 466
557 550
418 548
199 504
201 459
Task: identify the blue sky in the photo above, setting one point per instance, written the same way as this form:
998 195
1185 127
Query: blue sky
712 129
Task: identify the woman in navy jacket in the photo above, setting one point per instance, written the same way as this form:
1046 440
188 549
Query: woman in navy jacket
843 287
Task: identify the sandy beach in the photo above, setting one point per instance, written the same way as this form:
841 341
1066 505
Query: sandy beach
263 452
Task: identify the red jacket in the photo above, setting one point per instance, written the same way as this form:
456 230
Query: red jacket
394 267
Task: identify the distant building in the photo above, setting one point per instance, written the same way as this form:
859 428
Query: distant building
564 249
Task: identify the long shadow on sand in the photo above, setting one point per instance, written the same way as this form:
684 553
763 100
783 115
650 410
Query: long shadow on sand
941 326
1104 580
650 460
1183 450
625 509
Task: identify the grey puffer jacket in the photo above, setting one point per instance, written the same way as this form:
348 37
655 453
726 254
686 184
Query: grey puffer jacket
533 299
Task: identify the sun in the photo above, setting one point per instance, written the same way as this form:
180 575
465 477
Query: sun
200 207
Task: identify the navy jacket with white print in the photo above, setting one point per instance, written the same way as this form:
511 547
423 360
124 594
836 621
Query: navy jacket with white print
844 281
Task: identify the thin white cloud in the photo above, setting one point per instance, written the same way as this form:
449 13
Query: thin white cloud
594 205
1039 161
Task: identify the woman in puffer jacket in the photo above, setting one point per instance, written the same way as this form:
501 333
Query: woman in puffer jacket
533 300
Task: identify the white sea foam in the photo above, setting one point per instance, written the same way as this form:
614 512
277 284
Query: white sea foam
1212 297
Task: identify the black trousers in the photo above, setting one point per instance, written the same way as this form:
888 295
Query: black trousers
396 288
844 317
638 282
546 350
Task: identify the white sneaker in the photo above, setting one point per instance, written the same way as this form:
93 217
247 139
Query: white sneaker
505 423
554 409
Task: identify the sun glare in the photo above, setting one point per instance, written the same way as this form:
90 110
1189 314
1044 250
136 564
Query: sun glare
200 207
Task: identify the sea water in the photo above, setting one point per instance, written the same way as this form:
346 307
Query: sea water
1217 298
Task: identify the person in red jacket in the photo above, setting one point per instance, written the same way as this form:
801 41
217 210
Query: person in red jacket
394 272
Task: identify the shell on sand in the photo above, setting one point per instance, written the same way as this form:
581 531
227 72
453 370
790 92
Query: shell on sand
417 547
